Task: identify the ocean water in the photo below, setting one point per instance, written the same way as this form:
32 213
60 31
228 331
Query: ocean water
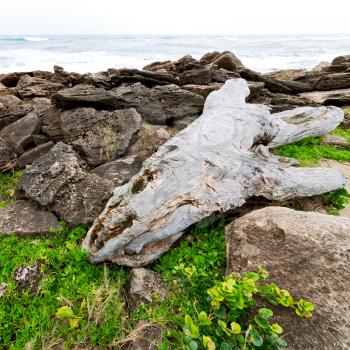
95 53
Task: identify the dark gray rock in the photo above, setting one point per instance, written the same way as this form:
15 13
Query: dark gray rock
30 87
333 82
84 95
161 104
199 76
203 90
7 156
26 219
226 60
28 157
28 278
146 78
286 74
336 141
145 287
12 109
307 254
100 136
119 171
56 181
145 336
51 124
19 134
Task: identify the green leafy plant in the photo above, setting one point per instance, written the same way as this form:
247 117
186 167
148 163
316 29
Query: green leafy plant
231 324
337 200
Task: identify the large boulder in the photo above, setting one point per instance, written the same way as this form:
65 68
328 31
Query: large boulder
199 76
30 87
308 254
226 60
7 156
26 219
11 109
51 124
84 95
57 182
19 134
100 136
161 104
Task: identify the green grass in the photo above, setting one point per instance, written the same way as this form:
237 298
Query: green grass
310 151
92 292
8 183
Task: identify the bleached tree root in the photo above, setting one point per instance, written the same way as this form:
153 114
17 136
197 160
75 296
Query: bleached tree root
212 166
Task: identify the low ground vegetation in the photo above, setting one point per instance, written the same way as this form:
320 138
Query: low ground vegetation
82 305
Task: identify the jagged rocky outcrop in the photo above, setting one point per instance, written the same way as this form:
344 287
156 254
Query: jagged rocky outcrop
307 254
57 182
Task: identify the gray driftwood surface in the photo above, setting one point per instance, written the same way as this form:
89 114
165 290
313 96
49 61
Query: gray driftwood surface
212 166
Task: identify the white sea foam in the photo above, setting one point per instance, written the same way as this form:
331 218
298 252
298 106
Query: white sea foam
35 38
96 53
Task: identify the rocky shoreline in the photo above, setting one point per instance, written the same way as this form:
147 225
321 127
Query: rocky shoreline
77 136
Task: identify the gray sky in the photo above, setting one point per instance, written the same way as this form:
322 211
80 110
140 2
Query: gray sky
174 17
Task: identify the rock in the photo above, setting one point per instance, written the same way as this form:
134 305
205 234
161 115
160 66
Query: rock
148 79
56 181
46 75
119 171
61 76
226 60
161 104
332 82
100 136
85 96
340 64
146 336
286 74
3 289
145 286
11 79
12 109
28 157
334 140
333 97
40 104
7 156
307 254
29 87
198 76
256 88
150 137
322 66
19 134
221 75
26 219
39 139
275 85
28 278
203 90
51 123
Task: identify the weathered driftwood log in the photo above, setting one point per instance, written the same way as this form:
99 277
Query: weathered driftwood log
214 165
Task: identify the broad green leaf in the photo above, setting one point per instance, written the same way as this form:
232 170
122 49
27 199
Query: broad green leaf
192 345
74 323
235 327
208 343
257 340
204 319
65 312
265 313
276 328
262 323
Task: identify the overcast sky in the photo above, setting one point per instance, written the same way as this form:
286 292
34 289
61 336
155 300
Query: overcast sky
174 17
